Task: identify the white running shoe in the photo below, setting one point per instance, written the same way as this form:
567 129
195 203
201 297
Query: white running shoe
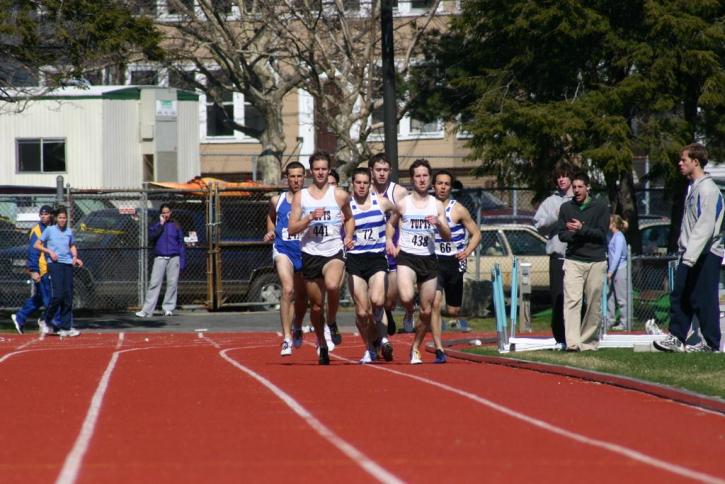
142 314
44 328
650 327
415 357
286 348
69 333
168 313
18 326
328 338
366 358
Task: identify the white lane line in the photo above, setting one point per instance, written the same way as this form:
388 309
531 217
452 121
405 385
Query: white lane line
602 444
367 464
20 349
74 459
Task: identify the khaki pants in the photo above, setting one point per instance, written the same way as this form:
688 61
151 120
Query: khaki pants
583 280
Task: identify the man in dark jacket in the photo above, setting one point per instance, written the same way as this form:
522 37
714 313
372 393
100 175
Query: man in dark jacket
583 226
168 239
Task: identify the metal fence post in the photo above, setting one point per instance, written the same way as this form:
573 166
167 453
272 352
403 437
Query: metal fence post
59 190
630 301
143 238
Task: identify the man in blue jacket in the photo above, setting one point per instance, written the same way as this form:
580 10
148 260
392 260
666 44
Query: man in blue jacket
38 268
168 239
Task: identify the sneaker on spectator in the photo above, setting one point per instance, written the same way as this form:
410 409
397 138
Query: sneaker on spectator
387 351
670 344
415 357
617 327
335 335
168 313
297 337
700 347
69 333
559 347
408 323
650 327
142 314
324 357
464 326
286 348
440 357
45 328
18 326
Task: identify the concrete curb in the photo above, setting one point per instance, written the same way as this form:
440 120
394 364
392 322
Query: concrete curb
662 391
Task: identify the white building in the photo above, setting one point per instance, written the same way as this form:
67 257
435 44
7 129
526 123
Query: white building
101 137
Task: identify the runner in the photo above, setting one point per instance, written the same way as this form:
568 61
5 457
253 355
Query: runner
318 212
420 215
367 265
288 259
380 169
452 256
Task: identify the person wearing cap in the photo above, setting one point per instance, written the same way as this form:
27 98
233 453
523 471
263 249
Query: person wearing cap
38 269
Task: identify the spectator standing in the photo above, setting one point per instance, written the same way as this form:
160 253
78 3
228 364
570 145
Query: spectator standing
168 239
40 291
583 226
695 291
617 272
58 243
546 222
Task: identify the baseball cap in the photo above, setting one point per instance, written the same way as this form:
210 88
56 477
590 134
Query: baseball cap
46 209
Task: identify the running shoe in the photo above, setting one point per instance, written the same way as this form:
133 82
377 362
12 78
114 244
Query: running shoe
408 323
69 333
328 339
367 358
168 313
415 357
391 323
387 351
286 348
335 335
142 314
297 336
440 357
700 347
324 357
464 326
18 326
670 344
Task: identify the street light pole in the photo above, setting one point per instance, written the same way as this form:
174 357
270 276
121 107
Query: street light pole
389 102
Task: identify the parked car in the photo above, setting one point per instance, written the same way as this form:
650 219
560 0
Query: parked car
654 234
499 245
109 244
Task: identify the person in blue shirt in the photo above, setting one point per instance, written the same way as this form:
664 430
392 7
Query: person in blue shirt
38 269
617 272
58 244
168 239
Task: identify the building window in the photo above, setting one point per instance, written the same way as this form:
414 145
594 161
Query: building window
219 118
144 77
178 7
253 118
41 155
418 127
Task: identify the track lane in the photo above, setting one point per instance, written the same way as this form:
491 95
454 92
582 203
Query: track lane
181 414
465 432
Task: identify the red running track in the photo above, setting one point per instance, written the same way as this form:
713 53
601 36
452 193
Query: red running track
227 408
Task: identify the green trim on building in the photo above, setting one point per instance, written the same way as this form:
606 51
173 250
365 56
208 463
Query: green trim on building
130 93
186 96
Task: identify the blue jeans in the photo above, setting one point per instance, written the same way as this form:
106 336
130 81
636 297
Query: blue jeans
61 279
40 297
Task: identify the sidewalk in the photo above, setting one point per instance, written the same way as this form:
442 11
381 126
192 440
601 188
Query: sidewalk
184 322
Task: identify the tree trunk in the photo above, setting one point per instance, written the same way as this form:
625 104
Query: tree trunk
269 162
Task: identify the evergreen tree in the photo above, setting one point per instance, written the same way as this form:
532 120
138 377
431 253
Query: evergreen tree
596 82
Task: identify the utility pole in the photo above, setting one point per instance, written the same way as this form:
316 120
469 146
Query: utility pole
389 101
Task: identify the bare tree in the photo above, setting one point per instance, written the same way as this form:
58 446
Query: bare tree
235 49
336 45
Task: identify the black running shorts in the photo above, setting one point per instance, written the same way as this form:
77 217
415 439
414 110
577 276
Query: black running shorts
312 265
424 266
366 265
450 280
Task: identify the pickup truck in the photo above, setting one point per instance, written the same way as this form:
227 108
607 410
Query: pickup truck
109 244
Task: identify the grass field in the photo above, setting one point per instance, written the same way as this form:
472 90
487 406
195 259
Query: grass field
698 372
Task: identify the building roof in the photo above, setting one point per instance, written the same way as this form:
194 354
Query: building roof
95 92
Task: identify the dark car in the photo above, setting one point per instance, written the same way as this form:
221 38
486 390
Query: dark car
110 245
